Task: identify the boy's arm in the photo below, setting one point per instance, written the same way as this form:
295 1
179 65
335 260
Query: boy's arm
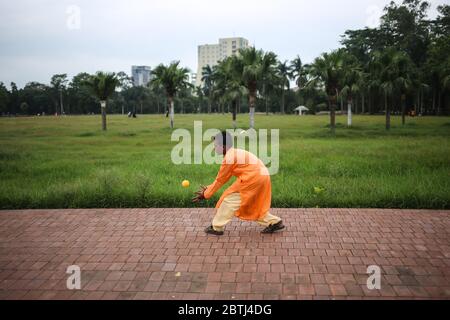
223 176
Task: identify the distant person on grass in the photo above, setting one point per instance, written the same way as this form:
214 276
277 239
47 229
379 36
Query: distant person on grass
249 197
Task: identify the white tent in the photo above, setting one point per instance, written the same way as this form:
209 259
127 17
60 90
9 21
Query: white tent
301 110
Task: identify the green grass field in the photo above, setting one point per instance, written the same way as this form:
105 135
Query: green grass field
68 162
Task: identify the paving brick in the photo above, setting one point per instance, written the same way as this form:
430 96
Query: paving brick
306 290
144 254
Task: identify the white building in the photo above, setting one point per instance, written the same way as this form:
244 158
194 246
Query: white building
210 54
192 78
141 75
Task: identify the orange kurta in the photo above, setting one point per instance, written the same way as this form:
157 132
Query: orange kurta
252 183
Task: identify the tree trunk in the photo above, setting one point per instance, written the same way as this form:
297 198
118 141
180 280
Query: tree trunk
403 108
332 101
421 103
142 108
209 104
439 102
362 104
349 113
434 99
234 113
171 111
103 107
61 101
282 102
265 100
252 110
388 113
417 104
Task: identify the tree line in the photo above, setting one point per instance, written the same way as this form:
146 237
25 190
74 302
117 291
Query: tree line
399 67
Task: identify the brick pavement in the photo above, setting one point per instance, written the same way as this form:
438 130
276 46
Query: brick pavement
164 254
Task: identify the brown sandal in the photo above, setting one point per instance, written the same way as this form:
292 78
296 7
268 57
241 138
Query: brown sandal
210 230
274 227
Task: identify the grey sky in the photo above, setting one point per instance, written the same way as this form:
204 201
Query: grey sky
38 38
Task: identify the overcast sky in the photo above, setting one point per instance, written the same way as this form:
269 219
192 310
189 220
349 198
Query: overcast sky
39 38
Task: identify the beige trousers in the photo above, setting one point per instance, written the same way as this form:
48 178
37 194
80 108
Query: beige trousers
229 206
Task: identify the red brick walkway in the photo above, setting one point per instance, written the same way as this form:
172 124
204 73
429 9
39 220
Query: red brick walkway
164 254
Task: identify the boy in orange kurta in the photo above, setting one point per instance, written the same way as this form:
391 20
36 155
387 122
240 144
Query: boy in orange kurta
249 197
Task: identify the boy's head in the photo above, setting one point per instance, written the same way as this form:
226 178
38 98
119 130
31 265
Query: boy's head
222 142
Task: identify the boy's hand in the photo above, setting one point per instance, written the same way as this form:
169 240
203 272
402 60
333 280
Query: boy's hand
199 194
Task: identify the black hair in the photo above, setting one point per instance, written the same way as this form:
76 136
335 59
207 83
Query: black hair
224 139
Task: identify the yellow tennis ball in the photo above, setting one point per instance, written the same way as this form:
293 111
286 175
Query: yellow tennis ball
185 183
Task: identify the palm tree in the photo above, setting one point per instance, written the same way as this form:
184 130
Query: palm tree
379 65
420 84
229 85
200 94
299 72
252 73
363 85
173 78
141 94
327 71
269 76
58 85
423 88
102 85
220 78
235 86
392 69
235 91
208 83
285 74
157 90
350 82
403 68
300 75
